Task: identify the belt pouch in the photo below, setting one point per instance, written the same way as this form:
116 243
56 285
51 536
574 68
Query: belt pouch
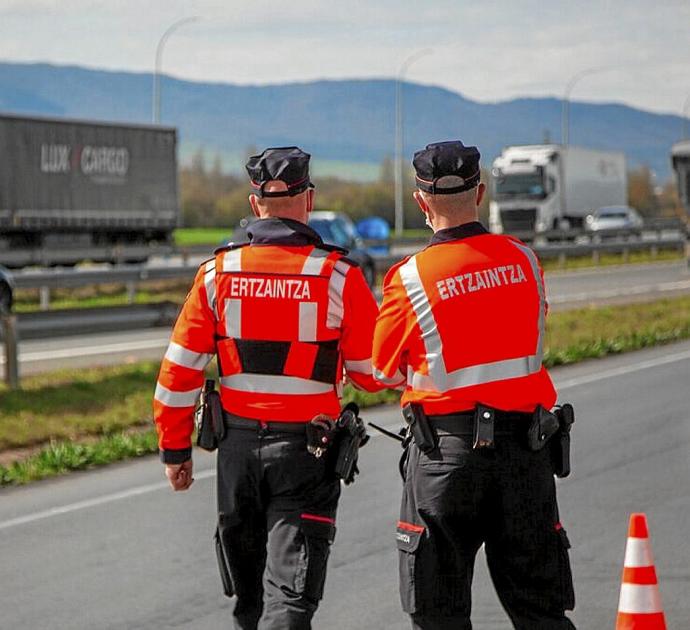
543 427
484 418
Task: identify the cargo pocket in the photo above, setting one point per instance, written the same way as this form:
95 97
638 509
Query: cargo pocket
408 537
317 533
566 575
223 566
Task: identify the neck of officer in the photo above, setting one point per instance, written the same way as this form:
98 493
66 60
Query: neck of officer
460 216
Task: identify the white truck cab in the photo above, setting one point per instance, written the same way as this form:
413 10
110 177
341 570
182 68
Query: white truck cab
537 188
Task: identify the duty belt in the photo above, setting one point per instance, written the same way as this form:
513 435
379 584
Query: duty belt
260 426
505 423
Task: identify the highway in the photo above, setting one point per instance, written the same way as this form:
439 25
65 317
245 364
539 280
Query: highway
116 549
610 285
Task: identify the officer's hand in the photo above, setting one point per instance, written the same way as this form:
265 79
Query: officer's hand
180 475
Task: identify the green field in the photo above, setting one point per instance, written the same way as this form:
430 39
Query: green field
82 418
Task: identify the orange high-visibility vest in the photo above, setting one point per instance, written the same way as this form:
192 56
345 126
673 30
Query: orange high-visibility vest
285 320
462 323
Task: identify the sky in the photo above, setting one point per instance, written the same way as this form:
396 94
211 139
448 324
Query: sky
486 50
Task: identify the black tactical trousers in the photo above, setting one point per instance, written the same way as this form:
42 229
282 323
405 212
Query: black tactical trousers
276 505
455 499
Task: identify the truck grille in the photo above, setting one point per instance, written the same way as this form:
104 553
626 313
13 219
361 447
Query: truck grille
518 220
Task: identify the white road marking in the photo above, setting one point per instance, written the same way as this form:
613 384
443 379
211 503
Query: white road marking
106 498
85 351
621 371
206 474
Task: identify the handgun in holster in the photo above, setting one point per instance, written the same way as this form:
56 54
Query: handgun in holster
561 446
419 427
209 418
351 435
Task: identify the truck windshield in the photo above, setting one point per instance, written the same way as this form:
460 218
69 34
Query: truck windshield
523 185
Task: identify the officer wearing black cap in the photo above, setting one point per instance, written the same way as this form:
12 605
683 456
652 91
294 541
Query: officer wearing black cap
288 317
461 325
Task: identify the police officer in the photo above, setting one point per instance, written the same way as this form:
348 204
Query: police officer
461 326
285 315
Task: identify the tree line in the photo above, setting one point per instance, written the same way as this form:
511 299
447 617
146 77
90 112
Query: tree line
211 197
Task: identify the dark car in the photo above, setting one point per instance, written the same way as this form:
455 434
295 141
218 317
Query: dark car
334 228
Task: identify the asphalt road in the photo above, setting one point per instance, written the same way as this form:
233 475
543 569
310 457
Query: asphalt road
115 549
630 283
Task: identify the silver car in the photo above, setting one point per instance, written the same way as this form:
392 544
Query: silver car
612 218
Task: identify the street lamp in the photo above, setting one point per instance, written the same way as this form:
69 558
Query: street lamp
159 57
399 139
565 111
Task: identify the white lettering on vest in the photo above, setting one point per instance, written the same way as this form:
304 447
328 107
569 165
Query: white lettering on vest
262 288
491 278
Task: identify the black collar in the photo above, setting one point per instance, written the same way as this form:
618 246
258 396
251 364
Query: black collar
457 232
278 231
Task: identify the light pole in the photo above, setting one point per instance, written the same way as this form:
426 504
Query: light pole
156 103
399 138
565 110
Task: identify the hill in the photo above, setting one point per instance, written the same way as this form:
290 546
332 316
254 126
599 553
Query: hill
349 121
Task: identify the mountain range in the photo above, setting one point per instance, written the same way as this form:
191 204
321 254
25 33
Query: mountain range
344 121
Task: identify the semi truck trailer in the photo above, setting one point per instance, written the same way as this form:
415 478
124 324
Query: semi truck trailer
74 190
538 188
680 157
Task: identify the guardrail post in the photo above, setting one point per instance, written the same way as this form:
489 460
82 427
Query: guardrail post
9 332
626 254
561 260
654 251
44 298
131 291
595 256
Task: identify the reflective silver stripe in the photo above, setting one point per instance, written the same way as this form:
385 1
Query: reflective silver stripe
187 358
409 274
233 318
314 262
396 379
439 379
307 321
532 257
269 384
232 260
336 285
176 399
210 284
363 366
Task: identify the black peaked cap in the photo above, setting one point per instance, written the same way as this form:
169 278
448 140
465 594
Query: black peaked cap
285 164
451 161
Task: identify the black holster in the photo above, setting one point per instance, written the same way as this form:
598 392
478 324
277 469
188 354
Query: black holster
560 449
209 418
351 434
419 427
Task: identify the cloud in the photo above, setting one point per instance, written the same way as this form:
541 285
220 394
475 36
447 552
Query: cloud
488 51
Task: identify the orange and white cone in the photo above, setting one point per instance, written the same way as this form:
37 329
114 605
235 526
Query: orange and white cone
639 606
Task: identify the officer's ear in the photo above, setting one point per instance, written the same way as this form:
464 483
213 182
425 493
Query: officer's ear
421 202
254 203
310 199
481 189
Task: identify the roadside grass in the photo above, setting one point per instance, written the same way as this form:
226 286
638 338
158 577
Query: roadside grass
75 419
188 237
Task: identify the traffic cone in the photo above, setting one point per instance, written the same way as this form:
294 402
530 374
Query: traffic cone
639 606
